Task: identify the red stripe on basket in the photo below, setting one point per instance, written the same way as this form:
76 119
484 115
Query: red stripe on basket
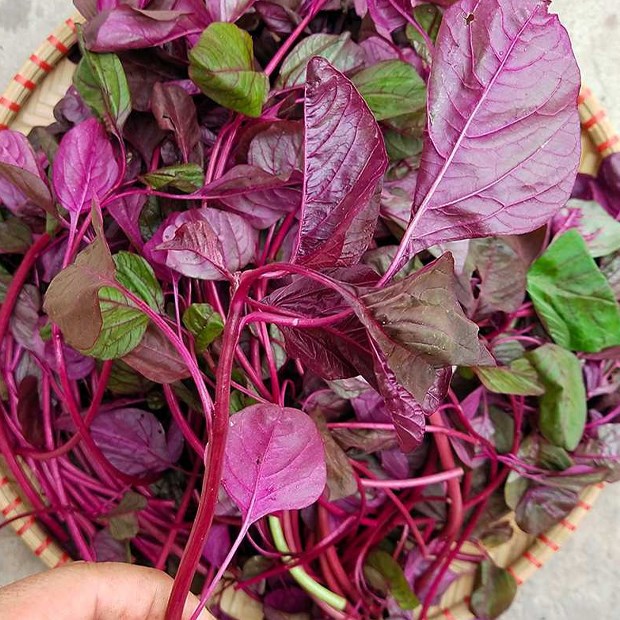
59 45
532 559
448 614
600 485
24 528
43 546
3 126
515 576
45 66
568 525
594 120
25 82
71 24
547 541
4 480
64 558
584 505
11 105
601 148
7 510
583 95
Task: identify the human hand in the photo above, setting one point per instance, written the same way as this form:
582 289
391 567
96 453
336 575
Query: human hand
81 591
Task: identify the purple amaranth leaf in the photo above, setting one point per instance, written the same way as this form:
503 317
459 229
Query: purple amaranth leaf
388 15
339 351
126 212
286 603
258 196
125 27
270 450
77 366
344 164
217 544
205 243
406 413
108 549
85 168
132 440
228 10
21 179
175 111
279 19
279 149
156 359
503 137
419 327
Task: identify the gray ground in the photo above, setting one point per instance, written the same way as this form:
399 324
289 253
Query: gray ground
581 580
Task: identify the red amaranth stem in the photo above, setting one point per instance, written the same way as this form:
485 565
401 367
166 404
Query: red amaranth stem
455 506
17 283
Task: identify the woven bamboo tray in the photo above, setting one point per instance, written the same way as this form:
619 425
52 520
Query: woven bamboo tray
29 101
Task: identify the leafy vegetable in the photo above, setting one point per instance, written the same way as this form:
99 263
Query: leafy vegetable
563 406
286 289
494 590
572 297
222 66
389 571
391 88
338 214
85 168
102 84
478 108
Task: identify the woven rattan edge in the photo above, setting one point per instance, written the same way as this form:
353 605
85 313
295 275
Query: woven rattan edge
600 140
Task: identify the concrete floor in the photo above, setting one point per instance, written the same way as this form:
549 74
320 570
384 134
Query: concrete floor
581 580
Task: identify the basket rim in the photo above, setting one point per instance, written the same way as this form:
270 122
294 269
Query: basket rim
595 124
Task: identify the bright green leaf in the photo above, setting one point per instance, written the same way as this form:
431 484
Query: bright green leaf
600 230
391 88
572 297
204 323
494 591
563 409
339 50
519 378
101 81
428 17
222 66
122 328
383 565
137 276
185 177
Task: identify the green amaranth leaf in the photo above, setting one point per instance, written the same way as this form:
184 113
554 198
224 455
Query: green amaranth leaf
122 328
519 378
391 88
600 231
221 64
341 52
185 177
137 276
563 408
204 323
494 591
572 297
382 565
102 84
124 380
428 17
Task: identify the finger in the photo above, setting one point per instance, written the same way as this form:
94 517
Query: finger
106 591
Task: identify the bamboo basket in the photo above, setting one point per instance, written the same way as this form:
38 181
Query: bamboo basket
29 101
